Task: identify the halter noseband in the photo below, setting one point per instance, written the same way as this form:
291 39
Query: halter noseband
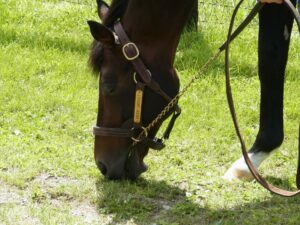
133 127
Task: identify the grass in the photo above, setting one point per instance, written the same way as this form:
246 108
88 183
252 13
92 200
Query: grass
49 104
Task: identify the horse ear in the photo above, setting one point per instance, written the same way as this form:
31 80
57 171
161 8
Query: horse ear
101 33
102 9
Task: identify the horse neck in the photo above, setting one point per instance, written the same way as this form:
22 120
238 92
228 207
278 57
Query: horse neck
155 26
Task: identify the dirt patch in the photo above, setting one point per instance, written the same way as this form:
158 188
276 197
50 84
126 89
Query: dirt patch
10 195
49 181
83 210
13 206
18 206
89 214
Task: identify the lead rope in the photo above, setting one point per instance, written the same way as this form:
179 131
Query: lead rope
251 167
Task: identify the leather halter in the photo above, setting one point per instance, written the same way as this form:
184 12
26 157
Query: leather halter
132 127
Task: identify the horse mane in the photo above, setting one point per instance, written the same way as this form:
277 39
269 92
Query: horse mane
116 11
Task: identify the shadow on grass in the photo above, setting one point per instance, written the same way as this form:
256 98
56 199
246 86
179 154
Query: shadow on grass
147 202
156 202
282 183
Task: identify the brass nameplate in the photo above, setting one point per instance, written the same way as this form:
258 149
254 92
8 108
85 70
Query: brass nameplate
138 106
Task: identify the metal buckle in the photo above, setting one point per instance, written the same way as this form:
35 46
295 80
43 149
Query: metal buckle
135 48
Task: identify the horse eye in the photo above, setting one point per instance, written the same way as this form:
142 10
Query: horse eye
108 88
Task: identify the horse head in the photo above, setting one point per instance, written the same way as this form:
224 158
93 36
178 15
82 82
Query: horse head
117 153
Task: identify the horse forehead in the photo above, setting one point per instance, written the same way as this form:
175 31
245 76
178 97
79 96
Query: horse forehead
114 61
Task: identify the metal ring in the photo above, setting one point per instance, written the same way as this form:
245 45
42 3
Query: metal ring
139 140
145 131
149 72
134 78
135 140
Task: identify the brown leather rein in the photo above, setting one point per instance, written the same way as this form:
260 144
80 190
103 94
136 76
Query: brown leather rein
134 129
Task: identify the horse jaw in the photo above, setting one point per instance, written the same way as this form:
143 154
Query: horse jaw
239 169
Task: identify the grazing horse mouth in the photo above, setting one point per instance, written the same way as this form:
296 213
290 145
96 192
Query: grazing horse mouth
137 172
128 165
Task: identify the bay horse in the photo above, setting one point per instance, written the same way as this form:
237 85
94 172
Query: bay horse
152 30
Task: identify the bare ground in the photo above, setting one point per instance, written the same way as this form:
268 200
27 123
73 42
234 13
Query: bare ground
15 203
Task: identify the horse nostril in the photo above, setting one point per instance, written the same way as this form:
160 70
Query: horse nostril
102 168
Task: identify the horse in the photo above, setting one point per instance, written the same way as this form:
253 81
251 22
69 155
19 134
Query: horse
150 32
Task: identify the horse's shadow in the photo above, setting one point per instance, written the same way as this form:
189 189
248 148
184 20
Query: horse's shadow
156 202
144 202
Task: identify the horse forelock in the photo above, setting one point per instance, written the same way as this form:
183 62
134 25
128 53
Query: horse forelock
96 57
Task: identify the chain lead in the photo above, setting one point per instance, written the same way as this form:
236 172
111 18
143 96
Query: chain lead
174 101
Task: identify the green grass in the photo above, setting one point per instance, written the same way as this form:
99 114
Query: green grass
48 104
